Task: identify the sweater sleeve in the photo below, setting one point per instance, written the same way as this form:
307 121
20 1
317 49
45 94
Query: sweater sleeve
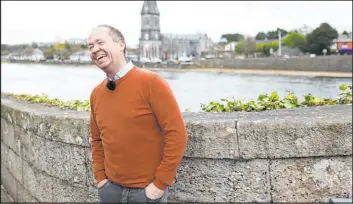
168 115
97 147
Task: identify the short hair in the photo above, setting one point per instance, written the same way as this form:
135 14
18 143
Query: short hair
115 34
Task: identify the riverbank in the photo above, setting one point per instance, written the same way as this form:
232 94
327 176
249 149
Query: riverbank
316 74
244 71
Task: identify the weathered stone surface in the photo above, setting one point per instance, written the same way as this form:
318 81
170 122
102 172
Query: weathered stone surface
14 163
304 132
25 145
206 180
91 181
23 195
4 154
51 156
210 138
8 181
65 192
311 180
39 154
59 160
8 130
49 122
37 183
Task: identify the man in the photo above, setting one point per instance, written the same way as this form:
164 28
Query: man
138 135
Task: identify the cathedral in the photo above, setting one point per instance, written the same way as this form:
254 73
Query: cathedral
155 45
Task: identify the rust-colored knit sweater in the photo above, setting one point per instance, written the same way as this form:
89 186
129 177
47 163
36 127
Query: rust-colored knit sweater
138 135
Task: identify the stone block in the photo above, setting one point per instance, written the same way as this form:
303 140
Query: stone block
8 181
8 132
37 183
211 137
311 180
23 195
25 145
78 165
4 153
304 132
22 118
62 129
7 113
60 160
208 180
40 149
17 143
65 192
14 164
91 181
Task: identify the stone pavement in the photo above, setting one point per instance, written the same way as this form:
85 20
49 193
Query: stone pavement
5 197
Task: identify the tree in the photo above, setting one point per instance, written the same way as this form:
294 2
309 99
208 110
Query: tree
247 46
34 45
321 38
233 37
345 33
49 53
265 48
67 45
83 46
295 40
274 34
260 36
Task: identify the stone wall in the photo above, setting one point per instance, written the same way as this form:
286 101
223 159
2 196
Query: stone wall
284 155
327 63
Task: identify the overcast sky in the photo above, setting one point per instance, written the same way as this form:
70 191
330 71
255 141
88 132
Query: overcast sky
44 21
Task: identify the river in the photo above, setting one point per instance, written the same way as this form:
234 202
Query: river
190 88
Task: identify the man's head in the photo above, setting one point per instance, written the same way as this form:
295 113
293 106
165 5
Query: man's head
107 48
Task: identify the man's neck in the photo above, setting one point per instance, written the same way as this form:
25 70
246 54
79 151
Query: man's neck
117 68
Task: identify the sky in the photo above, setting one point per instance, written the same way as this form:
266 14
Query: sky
46 21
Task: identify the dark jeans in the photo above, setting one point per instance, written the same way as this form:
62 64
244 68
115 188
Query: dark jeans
113 192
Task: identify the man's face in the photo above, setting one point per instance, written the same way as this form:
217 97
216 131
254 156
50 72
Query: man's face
103 50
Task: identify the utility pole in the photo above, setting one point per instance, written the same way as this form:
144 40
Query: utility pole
279 42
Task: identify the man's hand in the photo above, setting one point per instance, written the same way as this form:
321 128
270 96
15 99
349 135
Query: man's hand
101 183
152 192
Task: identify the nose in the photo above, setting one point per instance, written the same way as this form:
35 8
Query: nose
95 49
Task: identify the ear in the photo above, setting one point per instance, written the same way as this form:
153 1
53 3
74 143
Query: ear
122 45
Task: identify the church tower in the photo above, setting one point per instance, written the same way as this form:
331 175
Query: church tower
150 40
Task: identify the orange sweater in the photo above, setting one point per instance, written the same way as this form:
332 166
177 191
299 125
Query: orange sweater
138 135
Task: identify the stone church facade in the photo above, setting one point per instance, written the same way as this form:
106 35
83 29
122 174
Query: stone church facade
155 45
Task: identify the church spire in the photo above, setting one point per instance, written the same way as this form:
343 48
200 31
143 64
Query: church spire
150 7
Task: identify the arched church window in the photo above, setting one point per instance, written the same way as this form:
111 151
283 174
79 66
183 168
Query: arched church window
146 36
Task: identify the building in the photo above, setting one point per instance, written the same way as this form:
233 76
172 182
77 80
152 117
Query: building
150 39
154 45
343 43
81 56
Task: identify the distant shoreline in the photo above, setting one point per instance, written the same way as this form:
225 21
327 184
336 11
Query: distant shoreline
315 74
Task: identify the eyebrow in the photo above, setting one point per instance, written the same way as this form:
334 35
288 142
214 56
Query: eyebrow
96 41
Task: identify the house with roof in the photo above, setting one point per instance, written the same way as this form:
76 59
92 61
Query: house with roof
80 56
28 54
343 44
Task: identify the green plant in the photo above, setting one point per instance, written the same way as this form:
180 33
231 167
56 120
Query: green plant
73 104
346 96
273 101
264 102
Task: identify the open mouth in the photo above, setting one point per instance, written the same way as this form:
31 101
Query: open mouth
100 57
